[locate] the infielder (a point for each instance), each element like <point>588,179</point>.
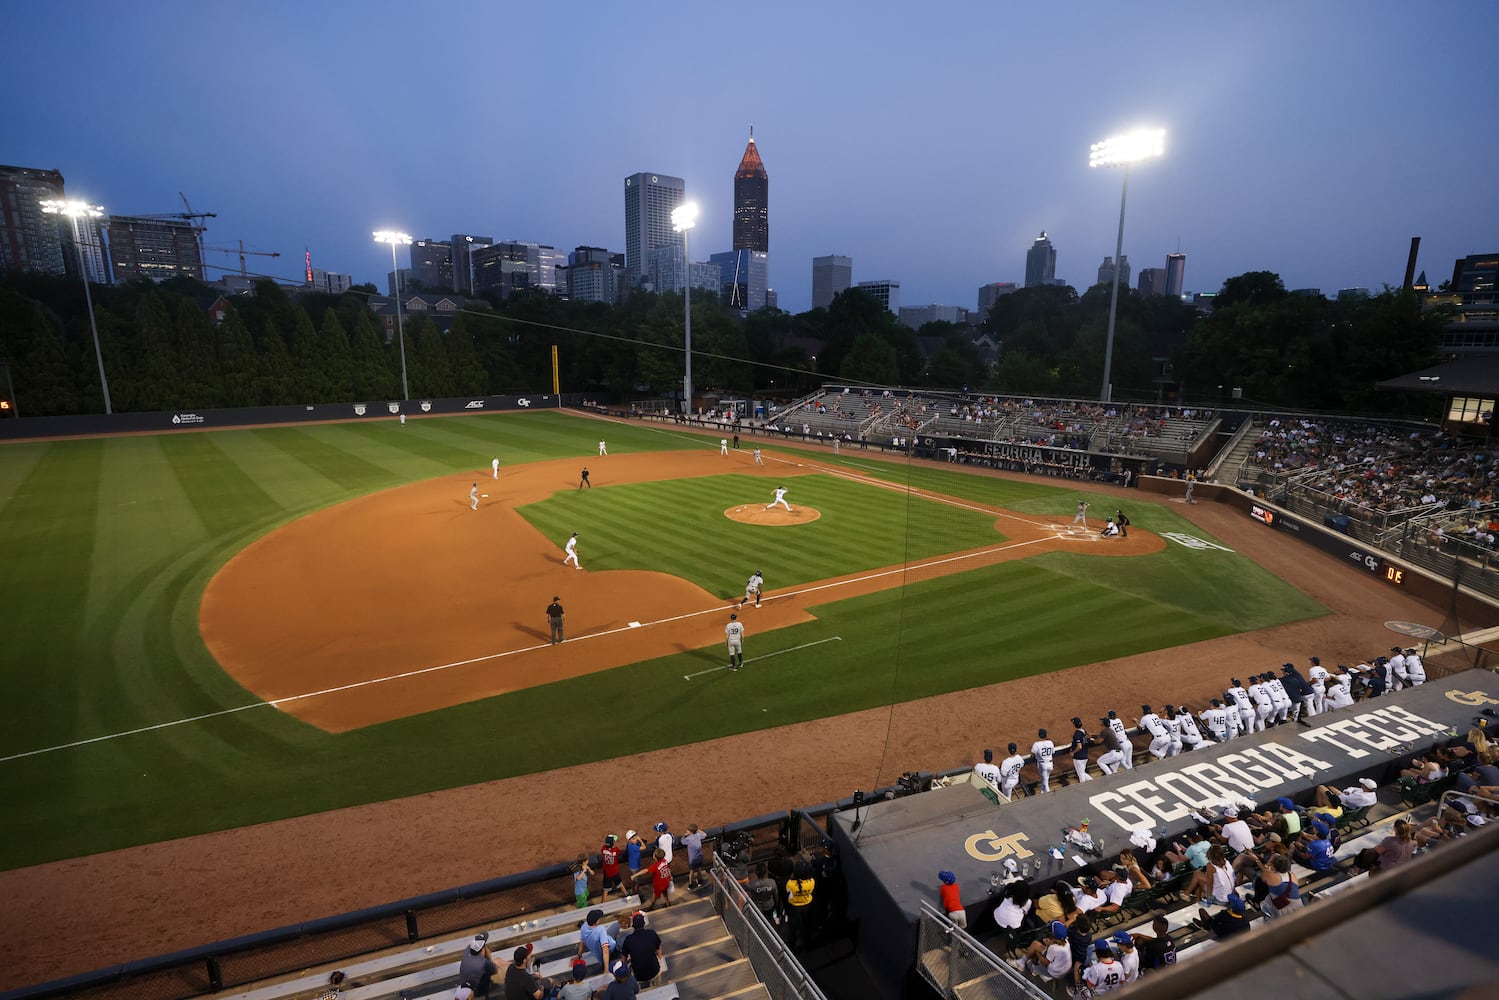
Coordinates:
<point>473,497</point>
<point>734,633</point>
<point>752,588</point>
<point>1160,739</point>
<point>1126,747</point>
<point>780,499</point>
<point>1042,752</point>
<point>758,460</point>
<point>1081,517</point>
<point>603,449</point>
<point>572,552</point>
<point>1009,772</point>
<point>723,446</point>
<point>494,463</point>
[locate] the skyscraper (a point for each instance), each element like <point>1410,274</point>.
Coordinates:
<point>830,275</point>
<point>743,278</point>
<point>990,293</point>
<point>751,201</point>
<point>1106,271</point>
<point>432,264</point>
<point>1040,262</point>
<point>649,199</point>
<point>461,249</point>
<point>886,292</point>
<point>30,240</point>
<point>1152,281</point>
<point>1176,271</point>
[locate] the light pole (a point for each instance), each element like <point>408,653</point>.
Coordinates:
<point>397,239</point>
<point>1121,151</point>
<point>73,209</point>
<point>683,218</point>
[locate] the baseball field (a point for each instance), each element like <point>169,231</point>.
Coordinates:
<point>216,629</point>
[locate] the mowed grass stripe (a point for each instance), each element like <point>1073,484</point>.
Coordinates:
<point>16,463</point>
<point>308,447</point>
<point>681,524</point>
<point>397,448</point>
<point>49,526</point>
<point>226,496</point>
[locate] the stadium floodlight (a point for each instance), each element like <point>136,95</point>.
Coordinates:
<point>75,210</point>
<point>396,239</point>
<point>683,218</point>
<point>1121,151</point>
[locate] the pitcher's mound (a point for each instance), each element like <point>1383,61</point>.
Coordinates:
<point>755,513</point>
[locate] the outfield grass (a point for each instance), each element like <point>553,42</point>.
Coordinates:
<point>109,544</point>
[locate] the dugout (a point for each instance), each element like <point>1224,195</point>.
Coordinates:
<point>891,850</point>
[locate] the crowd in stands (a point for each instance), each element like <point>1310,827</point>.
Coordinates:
<point>1245,860</point>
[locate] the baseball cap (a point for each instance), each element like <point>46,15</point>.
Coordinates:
<point>1317,660</point>
<point>947,878</point>
<point>1476,820</point>
<point>463,992</point>
<point>629,834</point>
<point>637,921</point>
<point>1123,939</point>
<point>478,943</point>
<point>1236,904</point>
<point>1076,721</point>
<point>1232,811</point>
<point>1041,733</point>
<point>1059,930</point>
<point>733,617</point>
<point>1394,649</point>
<point>1285,803</point>
<point>1111,713</point>
<point>1320,828</point>
<point>620,970</point>
<point>1088,883</point>
<point>1013,748</point>
<point>988,755</point>
<point>1145,709</point>
<point>611,838</point>
<point>1288,667</point>
<point>1368,783</point>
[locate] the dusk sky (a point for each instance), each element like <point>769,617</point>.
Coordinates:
<point>929,142</point>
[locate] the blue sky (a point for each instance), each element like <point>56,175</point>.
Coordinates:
<point>929,142</point>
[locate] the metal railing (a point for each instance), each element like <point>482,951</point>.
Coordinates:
<point>954,963</point>
<point>775,966</point>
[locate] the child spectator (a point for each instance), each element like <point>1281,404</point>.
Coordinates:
<point>693,841</point>
<point>952,898</point>
<point>581,871</point>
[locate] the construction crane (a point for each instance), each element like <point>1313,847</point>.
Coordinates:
<point>243,272</point>
<point>196,218</point>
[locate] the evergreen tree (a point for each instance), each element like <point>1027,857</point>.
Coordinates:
<point>469,376</point>
<point>335,360</point>
<point>238,364</point>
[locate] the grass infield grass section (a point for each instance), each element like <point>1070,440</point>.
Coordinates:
<point>109,544</point>
<point>680,525</point>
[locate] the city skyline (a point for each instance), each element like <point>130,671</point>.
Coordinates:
<point>922,157</point>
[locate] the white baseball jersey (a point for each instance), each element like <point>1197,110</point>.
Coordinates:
<point>1216,719</point>
<point>1117,725</point>
<point>1009,770</point>
<point>1397,665</point>
<point>1043,751</point>
<point>1415,670</point>
<point>1236,723</point>
<point>1191,735</point>
<point>1278,693</point>
<point>1242,701</point>
<point>572,546</point>
<point>988,772</point>
<point>1261,695</point>
<point>780,495</point>
<point>753,584</point>
<point>473,494</point>
<point>1102,977</point>
<point>734,632</point>
<point>1317,675</point>
<point>1340,691</point>
<point>1152,724</point>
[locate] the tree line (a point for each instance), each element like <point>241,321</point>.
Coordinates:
<point>162,351</point>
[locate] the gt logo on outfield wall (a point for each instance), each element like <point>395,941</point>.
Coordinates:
<point>1193,542</point>
<point>999,847</point>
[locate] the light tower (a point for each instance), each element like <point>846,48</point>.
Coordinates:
<point>683,218</point>
<point>397,239</point>
<point>74,209</point>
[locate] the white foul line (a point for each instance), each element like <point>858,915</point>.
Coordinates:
<point>404,675</point>
<point>765,656</point>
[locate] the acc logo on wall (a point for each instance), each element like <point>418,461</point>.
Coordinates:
<point>1193,542</point>
<point>426,406</point>
<point>359,409</point>
<point>394,407</point>
<point>474,404</point>
<point>990,846</point>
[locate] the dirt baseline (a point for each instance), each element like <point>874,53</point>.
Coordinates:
<point>307,617</point>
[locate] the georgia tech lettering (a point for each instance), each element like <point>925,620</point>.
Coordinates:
<point>1165,797</point>
<point>999,847</point>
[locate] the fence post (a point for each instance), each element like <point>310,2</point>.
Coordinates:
<point>215,974</point>
<point>412,931</point>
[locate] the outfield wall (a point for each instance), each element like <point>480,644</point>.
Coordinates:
<point>88,425</point>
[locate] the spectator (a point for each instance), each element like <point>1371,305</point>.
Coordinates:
<point>1105,974</point>
<point>1215,880</point>
<point>952,898</point>
<point>1080,941</point>
<point>693,841</point>
<point>476,967</point>
<point>1282,893</point>
<point>1235,831</point>
<point>596,939</point>
<point>762,890</point>
<point>643,951</point>
<point>1397,848</point>
<point>1137,878</point>
<point>799,890</point>
<point>624,986</point>
<point>1058,904</point>
<point>520,981</point>
<point>609,866</point>
<point>663,844</point>
<point>1227,922</point>
<point>577,989</point>
<point>634,845</point>
<point>1318,853</point>
<point>335,987</point>
<point>1051,959</point>
<point>1015,906</point>
<point>1129,958</point>
<point>1089,898</point>
<point>1356,796</point>
<point>581,871</point>
<point>1157,949</point>
<point>661,880</point>
<point>1116,887</point>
